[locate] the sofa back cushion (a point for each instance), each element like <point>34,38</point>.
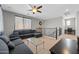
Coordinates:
<point>20,32</point>
<point>5,39</point>
<point>28,31</point>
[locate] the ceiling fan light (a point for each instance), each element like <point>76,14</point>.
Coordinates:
<point>34,10</point>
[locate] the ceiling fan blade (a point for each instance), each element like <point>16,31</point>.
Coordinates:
<point>34,6</point>
<point>30,10</point>
<point>39,11</point>
<point>39,7</point>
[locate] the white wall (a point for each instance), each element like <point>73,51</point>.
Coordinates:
<point>78,23</point>
<point>53,23</point>
<point>35,23</point>
<point>8,23</point>
<point>1,20</point>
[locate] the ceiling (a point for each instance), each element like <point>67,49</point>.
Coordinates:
<point>48,10</point>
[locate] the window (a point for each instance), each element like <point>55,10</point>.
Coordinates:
<point>18,23</point>
<point>68,23</point>
<point>22,23</point>
<point>27,23</point>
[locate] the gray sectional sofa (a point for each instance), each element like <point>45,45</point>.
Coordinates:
<point>25,33</point>
<point>13,47</point>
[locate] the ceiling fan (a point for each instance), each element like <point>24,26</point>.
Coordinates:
<point>35,9</point>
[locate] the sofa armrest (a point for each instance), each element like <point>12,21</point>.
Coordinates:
<point>3,47</point>
<point>14,37</point>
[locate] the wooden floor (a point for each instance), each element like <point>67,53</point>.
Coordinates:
<point>48,43</point>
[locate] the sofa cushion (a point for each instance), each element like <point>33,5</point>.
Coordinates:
<point>32,31</point>
<point>13,37</point>
<point>21,49</point>
<point>24,32</point>
<point>28,34</point>
<point>17,42</point>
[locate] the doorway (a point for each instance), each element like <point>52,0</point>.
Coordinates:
<point>70,26</point>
